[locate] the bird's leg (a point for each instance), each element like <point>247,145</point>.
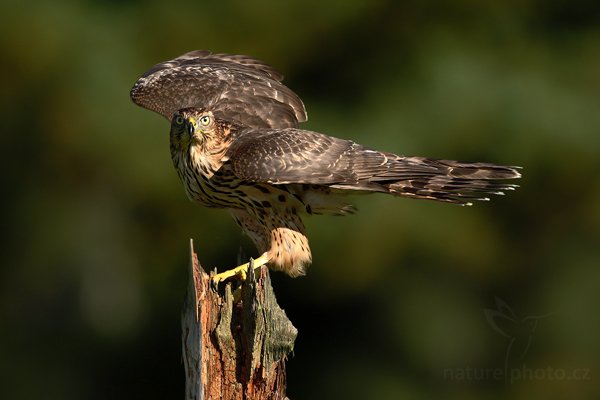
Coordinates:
<point>242,269</point>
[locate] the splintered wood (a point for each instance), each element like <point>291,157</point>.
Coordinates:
<point>235,343</point>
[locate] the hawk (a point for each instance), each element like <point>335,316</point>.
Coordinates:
<point>235,144</point>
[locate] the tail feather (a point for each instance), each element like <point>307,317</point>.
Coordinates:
<point>425,178</point>
<point>453,181</point>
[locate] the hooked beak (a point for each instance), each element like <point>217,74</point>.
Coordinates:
<point>191,126</point>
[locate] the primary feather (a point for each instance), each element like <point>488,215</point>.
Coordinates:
<point>287,156</point>
<point>236,88</point>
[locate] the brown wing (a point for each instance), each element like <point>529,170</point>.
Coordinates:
<point>236,88</point>
<point>296,156</point>
<point>290,156</point>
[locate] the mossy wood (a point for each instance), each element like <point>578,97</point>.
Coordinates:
<point>235,342</point>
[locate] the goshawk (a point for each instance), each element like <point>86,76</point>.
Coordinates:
<point>235,144</point>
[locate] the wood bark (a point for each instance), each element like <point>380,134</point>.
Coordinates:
<point>236,338</point>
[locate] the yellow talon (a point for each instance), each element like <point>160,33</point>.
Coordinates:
<point>241,270</point>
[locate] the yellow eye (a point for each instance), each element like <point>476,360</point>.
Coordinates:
<point>179,120</point>
<point>204,120</point>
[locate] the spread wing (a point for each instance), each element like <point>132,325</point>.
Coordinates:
<point>291,156</point>
<point>287,156</point>
<point>236,88</point>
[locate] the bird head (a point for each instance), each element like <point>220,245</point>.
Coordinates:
<point>191,126</point>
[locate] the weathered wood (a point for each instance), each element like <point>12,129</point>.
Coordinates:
<point>235,342</point>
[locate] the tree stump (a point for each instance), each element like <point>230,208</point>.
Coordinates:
<point>235,341</point>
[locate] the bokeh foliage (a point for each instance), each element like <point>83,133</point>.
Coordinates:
<point>96,224</point>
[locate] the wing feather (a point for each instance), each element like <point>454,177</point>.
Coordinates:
<point>288,156</point>
<point>236,88</point>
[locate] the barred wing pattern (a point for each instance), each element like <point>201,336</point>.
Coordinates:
<point>285,156</point>
<point>236,88</point>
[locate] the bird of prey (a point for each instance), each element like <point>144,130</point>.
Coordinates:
<point>235,144</point>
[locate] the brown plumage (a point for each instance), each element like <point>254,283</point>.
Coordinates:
<point>235,88</point>
<point>255,162</point>
<point>269,178</point>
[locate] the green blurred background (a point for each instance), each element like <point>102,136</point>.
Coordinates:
<point>96,224</point>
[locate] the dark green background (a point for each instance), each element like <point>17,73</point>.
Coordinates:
<point>96,225</point>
